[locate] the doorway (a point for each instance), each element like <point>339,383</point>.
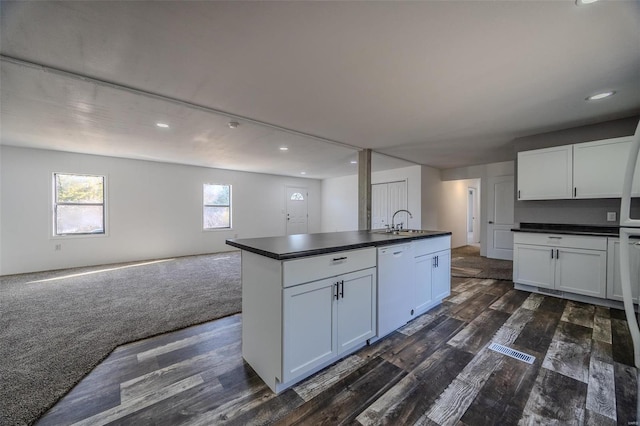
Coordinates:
<point>296,210</point>
<point>473,231</point>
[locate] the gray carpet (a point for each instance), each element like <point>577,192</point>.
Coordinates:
<point>467,262</point>
<point>52,333</point>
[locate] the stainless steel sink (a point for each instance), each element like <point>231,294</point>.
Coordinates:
<point>404,232</point>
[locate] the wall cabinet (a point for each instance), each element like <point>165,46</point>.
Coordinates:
<point>585,170</point>
<point>574,264</point>
<point>326,318</point>
<point>599,167</point>
<point>545,174</point>
<point>614,284</point>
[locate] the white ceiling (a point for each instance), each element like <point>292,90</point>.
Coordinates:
<point>440,83</point>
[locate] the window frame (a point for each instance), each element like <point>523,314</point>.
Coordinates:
<point>229,206</point>
<point>54,211</point>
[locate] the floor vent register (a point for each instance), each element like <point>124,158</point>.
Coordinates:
<point>529,359</point>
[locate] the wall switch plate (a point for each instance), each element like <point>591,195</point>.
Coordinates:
<point>611,216</point>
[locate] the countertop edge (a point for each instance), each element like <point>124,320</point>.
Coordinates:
<point>314,252</point>
<point>566,232</point>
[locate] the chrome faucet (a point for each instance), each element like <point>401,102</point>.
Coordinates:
<point>393,227</point>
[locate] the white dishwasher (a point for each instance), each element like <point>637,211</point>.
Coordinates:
<point>395,287</point>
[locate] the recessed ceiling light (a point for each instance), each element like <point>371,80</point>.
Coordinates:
<point>583,2</point>
<point>284,148</point>
<point>599,96</point>
<point>354,162</point>
<point>303,173</point>
<point>163,125</point>
<point>233,124</point>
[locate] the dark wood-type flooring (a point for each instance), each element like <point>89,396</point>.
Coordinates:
<point>436,370</point>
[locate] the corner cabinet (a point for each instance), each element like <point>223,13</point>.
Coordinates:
<point>300,315</point>
<point>545,174</point>
<point>575,264</point>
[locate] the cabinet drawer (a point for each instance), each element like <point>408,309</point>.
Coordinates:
<point>561,240</point>
<point>431,245</point>
<point>313,268</point>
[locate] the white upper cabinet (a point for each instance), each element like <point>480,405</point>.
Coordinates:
<point>545,174</point>
<point>599,167</point>
<point>584,170</point>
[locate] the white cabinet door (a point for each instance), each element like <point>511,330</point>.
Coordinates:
<point>581,271</point>
<point>441,277</point>
<point>598,168</point>
<point>614,284</point>
<point>423,282</point>
<point>534,265</point>
<point>308,327</point>
<point>545,173</point>
<point>356,306</point>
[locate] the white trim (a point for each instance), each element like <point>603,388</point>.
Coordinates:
<point>52,202</point>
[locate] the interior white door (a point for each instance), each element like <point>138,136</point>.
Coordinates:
<point>379,193</point>
<point>297,216</point>
<point>500,194</point>
<point>386,199</point>
<point>398,201</point>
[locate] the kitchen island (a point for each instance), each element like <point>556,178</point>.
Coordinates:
<point>311,299</point>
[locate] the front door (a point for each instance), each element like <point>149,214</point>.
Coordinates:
<point>501,197</point>
<point>297,217</point>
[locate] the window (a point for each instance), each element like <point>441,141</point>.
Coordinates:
<point>78,204</point>
<point>217,206</point>
<point>296,196</point>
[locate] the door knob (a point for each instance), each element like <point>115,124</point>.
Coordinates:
<point>491,222</point>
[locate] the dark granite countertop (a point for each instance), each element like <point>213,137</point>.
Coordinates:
<point>556,228</point>
<point>302,245</point>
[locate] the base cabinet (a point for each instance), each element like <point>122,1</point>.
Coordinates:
<point>614,283</point>
<point>432,272</point>
<point>326,318</point>
<point>293,325</point>
<point>573,264</point>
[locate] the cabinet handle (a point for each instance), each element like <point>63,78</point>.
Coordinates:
<point>575,191</point>
<point>552,253</point>
<point>437,261</point>
<point>336,293</point>
<point>518,194</point>
<point>551,237</point>
<point>557,254</point>
<point>342,286</point>
<point>338,259</point>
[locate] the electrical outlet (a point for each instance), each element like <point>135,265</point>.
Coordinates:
<point>611,216</point>
<point>58,247</point>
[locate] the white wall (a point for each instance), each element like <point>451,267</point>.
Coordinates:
<point>340,204</point>
<point>154,210</point>
<point>481,172</point>
<point>340,198</point>
<point>431,193</point>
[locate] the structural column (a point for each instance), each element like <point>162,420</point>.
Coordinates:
<point>364,189</point>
